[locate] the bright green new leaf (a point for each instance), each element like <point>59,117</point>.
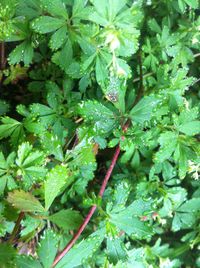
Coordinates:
<point>56,180</point>
<point>5,177</point>
<point>30,164</point>
<point>25,201</point>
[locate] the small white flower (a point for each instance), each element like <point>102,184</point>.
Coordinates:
<point>113,41</point>
<point>195,169</point>
<point>186,103</point>
<point>165,263</point>
<point>163,221</point>
<point>121,72</point>
<point>195,40</point>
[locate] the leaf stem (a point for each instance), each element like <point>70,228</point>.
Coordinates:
<point>137,79</point>
<point>2,56</point>
<point>16,228</point>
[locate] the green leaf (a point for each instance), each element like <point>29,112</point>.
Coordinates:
<point>102,118</point>
<point>142,111</point>
<point>13,128</point>
<point>4,107</point>
<point>27,157</point>
<point>83,251</point>
<point>190,206</point>
<point>47,249</point>
<point>80,11</point>
<point>41,116</point>
<point>192,3</point>
<point>131,225</point>
<point>3,164</point>
<point>116,250</point>
<point>185,214</point>
<point>52,145</point>
<point>22,52</point>
<point>181,156</point>
<point>30,225</point>
<point>66,51</point>
<point>55,8</point>
<point>25,201</point>
<point>128,221</point>
<point>57,179</point>
<point>47,24</point>
<point>137,258</point>
<point>168,142</point>
<point>190,128</point>
<point>183,221</point>
<point>58,38</point>
<point>120,196</point>
<point>24,261</point>
<point>106,11</point>
<point>7,255</point>
<point>101,71</point>
<point>30,164</point>
<point>67,219</point>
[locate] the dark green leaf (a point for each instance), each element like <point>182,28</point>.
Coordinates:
<point>47,24</point>
<point>67,219</point>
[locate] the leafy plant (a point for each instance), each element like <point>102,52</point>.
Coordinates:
<point>99,152</point>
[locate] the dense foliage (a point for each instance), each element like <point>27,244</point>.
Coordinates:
<point>80,78</point>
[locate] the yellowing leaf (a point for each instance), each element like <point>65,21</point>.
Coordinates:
<point>25,201</point>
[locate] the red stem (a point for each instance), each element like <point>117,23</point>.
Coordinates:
<point>92,209</point>
<point>109,171</point>
<point>2,55</point>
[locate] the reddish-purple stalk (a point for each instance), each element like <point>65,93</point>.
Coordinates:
<point>2,55</point>
<point>92,209</point>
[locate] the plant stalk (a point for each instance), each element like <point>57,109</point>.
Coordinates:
<point>16,228</point>
<point>92,209</point>
<point>2,56</point>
